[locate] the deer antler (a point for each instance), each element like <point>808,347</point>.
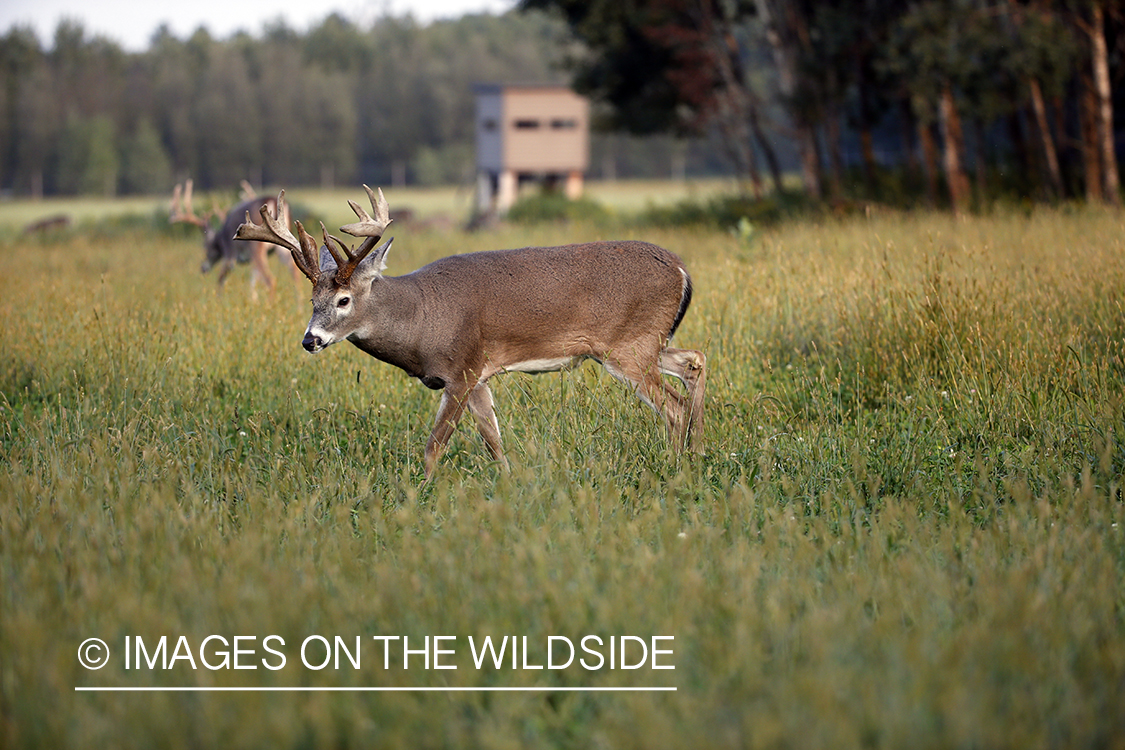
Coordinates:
<point>181,210</point>
<point>368,227</point>
<point>275,230</point>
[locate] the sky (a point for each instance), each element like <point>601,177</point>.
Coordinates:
<point>131,23</point>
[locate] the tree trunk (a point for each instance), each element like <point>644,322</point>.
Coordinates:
<point>1051,156</point>
<point>783,34</point>
<point>767,149</point>
<point>1091,155</point>
<point>1110,181</point>
<point>735,104</point>
<point>810,161</point>
<point>953,142</point>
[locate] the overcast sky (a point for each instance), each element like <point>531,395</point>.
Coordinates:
<point>131,23</point>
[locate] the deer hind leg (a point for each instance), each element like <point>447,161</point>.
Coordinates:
<point>287,261</point>
<point>481,406</point>
<point>259,267</point>
<point>646,378</point>
<point>690,367</point>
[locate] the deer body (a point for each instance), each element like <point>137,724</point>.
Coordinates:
<point>219,246</point>
<point>458,321</point>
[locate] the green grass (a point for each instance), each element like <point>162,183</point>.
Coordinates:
<point>905,530</point>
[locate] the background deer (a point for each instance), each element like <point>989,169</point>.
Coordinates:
<point>218,243</point>
<point>458,321</point>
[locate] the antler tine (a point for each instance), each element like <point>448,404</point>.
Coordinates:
<point>275,230</point>
<point>309,263</point>
<point>344,267</point>
<point>340,259</point>
<point>368,227</point>
<point>271,230</point>
<point>181,206</point>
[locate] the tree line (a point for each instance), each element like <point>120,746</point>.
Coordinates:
<point>950,100</point>
<point>391,102</point>
<point>967,96</point>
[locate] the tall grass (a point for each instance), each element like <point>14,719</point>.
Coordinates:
<point>906,529</point>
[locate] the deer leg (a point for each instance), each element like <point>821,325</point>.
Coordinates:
<point>258,255</point>
<point>287,261</point>
<point>481,405</point>
<point>224,271</point>
<point>690,366</point>
<point>649,385</point>
<point>452,406</point>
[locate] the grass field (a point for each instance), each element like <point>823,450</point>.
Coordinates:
<point>906,530</point>
<point>452,203</point>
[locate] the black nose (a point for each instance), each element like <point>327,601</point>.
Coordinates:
<point>311,343</point>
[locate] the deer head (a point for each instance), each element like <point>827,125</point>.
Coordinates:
<point>182,212</point>
<point>336,268</point>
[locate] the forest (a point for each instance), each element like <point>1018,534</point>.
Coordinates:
<point>942,102</point>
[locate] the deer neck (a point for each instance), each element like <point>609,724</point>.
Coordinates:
<point>392,323</point>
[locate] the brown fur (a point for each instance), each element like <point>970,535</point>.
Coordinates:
<point>458,321</point>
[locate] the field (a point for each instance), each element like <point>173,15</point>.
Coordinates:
<point>907,529</point>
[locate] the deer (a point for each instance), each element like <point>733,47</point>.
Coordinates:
<point>218,243</point>
<point>458,321</point>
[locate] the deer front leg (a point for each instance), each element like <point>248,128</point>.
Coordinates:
<point>481,405</point>
<point>224,271</point>
<point>453,402</point>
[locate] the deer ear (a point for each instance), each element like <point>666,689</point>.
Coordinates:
<point>378,256</point>
<point>327,262</point>
<point>374,264</point>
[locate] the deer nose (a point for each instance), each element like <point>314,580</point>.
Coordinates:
<point>312,343</point>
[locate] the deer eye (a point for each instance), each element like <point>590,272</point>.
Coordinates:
<point>343,302</point>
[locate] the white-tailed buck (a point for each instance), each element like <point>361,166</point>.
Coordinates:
<point>219,246</point>
<point>458,321</point>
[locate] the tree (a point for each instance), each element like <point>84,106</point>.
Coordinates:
<point>1111,184</point>
<point>226,116</point>
<point>145,167</point>
<point>927,54</point>
<point>1043,56</point>
<point>87,163</point>
<point>38,121</point>
<point>670,66</point>
<point>20,56</point>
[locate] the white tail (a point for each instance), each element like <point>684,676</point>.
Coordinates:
<point>458,321</point>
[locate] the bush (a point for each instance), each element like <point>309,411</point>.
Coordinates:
<point>727,211</point>
<point>550,206</point>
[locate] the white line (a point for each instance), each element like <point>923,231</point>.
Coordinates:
<point>370,689</point>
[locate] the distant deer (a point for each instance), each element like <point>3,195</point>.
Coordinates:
<point>219,245</point>
<point>458,321</point>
